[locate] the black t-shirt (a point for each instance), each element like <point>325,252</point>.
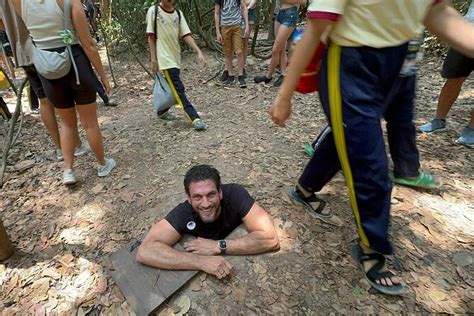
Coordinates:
<point>235,204</point>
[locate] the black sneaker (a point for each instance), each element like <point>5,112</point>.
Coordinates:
<point>245,74</point>
<point>242,83</point>
<point>278,82</point>
<point>224,76</point>
<point>262,78</point>
<point>229,80</point>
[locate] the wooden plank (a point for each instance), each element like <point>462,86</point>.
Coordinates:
<point>145,288</point>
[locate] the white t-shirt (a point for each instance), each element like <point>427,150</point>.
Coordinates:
<point>168,34</point>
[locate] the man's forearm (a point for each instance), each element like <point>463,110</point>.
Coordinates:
<point>245,15</point>
<point>189,40</point>
<point>151,45</point>
<point>252,243</point>
<point>159,255</point>
<point>217,20</point>
<point>451,28</point>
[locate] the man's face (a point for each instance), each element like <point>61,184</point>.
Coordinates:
<point>205,199</point>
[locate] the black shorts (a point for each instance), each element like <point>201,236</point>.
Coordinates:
<point>35,81</point>
<point>456,65</point>
<point>64,93</point>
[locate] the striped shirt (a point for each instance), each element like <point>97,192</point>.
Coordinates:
<point>231,13</point>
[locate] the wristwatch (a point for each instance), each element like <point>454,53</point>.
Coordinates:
<point>222,246</point>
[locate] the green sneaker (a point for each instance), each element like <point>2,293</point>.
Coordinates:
<point>167,116</point>
<point>309,150</point>
<point>423,180</point>
<point>199,125</point>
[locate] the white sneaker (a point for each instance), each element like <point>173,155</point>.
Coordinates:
<point>82,150</point>
<point>59,155</point>
<point>104,171</point>
<point>69,177</point>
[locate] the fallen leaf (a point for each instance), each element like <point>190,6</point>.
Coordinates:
<point>437,295</point>
<point>184,304</point>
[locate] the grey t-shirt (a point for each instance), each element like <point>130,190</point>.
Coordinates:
<point>231,13</point>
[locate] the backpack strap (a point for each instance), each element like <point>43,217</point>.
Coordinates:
<point>68,26</point>
<point>155,29</point>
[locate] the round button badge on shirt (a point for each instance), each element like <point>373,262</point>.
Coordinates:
<point>191,225</point>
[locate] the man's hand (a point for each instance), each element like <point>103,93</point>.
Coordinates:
<point>247,31</point>
<point>219,37</point>
<point>154,67</point>
<point>201,58</point>
<point>280,110</point>
<point>106,84</point>
<point>202,246</point>
<point>217,266</point>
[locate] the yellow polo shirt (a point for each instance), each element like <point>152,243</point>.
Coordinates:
<point>169,32</point>
<point>373,23</point>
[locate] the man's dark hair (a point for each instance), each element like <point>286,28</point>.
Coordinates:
<point>201,173</point>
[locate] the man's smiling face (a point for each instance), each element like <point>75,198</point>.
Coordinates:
<point>205,199</point>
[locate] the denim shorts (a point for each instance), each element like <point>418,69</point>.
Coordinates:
<point>288,16</point>
<point>252,17</point>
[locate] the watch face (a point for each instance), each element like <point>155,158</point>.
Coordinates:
<point>222,244</point>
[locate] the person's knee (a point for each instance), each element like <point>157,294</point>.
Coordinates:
<point>276,52</point>
<point>89,124</point>
<point>238,52</point>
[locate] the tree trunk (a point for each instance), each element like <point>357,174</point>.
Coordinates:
<point>6,248</point>
<point>271,23</point>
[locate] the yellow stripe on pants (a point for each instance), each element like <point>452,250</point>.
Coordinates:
<point>335,108</point>
<point>175,93</point>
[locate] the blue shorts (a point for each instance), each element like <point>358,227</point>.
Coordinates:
<point>288,17</point>
<point>252,17</point>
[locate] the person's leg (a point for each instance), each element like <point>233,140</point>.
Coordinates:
<point>279,46</point>
<point>174,80</point>
<point>47,112</point>
<point>448,95</point>
<point>456,68</point>
<point>68,133</point>
<point>33,98</point>
<point>401,131</point>
<point>227,47</point>
<point>323,165</point>
<point>245,47</point>
<point>237,47</point>
<point>48,116</point>
<point>353,98</point>
<point>90,124</point>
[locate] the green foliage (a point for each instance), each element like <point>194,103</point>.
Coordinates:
<point>128,22</point>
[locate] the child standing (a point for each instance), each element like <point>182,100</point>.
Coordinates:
<point>228,16</point>
<point>165,54</point>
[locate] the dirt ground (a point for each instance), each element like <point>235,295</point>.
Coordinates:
<point>63,236</point>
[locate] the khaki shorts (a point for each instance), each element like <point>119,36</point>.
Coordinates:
<point>232,38</point>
